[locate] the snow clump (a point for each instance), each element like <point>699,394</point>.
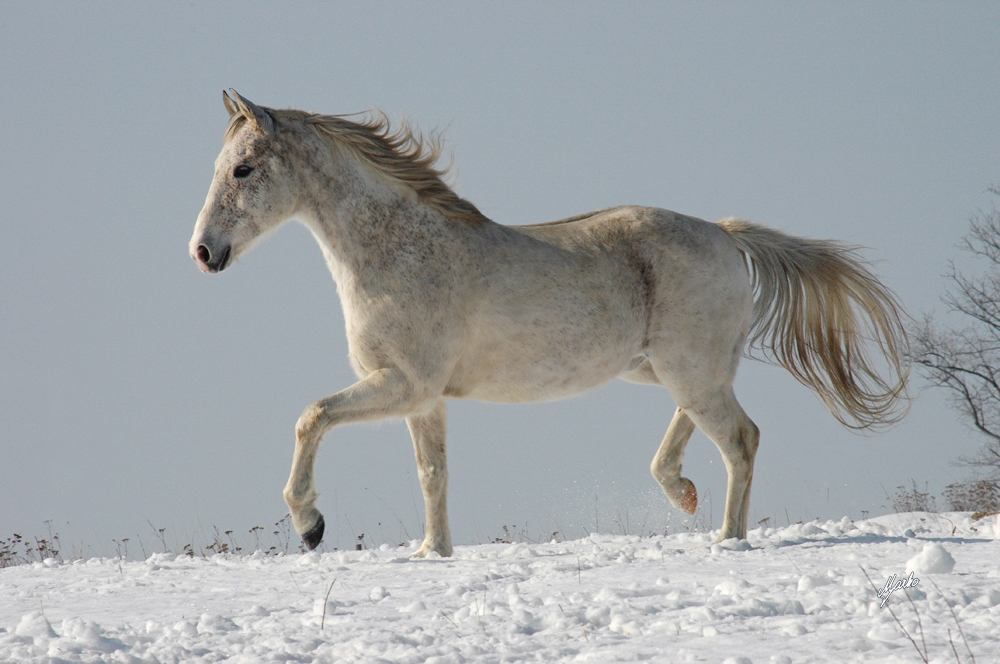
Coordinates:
<point>932,559</point>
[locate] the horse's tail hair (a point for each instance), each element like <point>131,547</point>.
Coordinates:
<point>818,312</point>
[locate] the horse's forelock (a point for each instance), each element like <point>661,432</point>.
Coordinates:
<point>236,122</point>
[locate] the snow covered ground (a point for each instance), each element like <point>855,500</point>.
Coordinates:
<point>799,595</point>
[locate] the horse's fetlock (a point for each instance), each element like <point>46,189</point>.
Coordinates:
<point>298,502</point>
<point>434,542</point>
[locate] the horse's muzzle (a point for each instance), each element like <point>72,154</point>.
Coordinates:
<point>212,261</point>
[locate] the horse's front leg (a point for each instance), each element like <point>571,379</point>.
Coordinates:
<point>381,394</point>
<point>428,432</point>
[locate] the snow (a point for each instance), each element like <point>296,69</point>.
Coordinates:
<point>932,559</point>
<point>798,595</point>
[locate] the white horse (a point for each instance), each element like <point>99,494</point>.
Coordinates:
<point>441,302</point>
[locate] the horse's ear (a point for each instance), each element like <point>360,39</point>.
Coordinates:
<point>231,106</point>
<point>254,113</point>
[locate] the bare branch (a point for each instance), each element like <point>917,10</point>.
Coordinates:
<point>966,361</point>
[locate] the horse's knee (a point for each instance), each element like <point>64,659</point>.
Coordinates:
<point>432,476</point>
<point>311,421</point>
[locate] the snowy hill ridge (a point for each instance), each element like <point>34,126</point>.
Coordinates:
<point>799,595</point>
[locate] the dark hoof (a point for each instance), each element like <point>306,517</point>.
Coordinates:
<point>315,534</point>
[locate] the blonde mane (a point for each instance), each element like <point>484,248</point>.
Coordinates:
<point>402,154</point>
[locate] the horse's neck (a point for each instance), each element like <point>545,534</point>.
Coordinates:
<point>363,225</point>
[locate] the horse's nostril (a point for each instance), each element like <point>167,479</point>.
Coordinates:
<point>204,255</point>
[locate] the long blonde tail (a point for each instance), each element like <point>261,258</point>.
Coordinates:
<point>818,311</point>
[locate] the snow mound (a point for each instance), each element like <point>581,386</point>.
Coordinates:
<point>36,626</point>
<point>932,559</point>
<point>813,581</point>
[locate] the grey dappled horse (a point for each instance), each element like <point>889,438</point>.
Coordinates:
<point>441,302</point>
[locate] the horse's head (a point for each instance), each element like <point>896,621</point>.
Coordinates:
<point>251,192</point>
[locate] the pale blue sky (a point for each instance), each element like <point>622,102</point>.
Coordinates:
<point>135,388</point>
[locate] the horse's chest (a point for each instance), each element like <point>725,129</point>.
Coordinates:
<point>394,330</point>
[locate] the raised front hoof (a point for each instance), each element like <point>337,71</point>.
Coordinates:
<point>315,534</point>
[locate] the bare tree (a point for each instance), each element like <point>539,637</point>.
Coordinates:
<point>966,360</point>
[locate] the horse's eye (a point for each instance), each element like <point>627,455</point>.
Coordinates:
<point>242,171</point>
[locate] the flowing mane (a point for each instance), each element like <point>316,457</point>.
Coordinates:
<point>402,154</point>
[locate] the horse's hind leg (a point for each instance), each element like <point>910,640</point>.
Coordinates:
<point>666,466</point>
<point>722,419</point>
<point>428,433</point>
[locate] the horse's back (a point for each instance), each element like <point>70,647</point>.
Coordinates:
<point>653,231</point>
<point>677,257</point>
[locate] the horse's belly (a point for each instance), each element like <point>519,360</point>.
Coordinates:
<point>527,384</point>
<point>517,372</point>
